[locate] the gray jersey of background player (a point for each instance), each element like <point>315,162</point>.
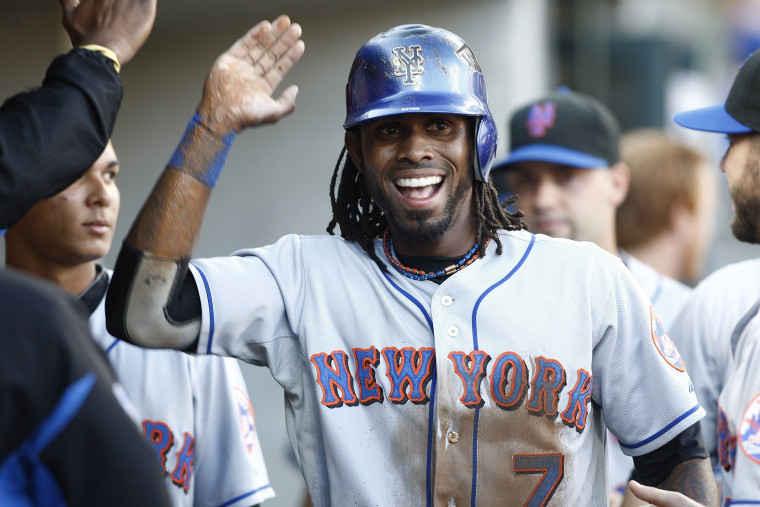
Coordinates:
<point>194,411</point>
<point>435,353</point>
<point>721,352</point>
<point>564,164</point>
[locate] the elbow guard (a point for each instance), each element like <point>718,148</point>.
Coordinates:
<point>140,296</point>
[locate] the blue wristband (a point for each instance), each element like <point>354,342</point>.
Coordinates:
<point>212,172</point>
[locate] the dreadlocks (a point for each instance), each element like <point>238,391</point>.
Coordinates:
<point>362,221</point>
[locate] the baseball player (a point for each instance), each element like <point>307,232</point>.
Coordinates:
<point>435,353</point>
<point>564,163</point>
<point>721,348</point>
<point>194,412</point>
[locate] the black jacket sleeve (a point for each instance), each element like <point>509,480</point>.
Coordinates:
<point>100,457</point>
<point>51,135</point>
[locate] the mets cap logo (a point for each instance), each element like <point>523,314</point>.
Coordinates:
<point>407,63</point>
<point>245,415</point>
<point>541,118</point>
<point>749,430</point>
<point>664,344</point>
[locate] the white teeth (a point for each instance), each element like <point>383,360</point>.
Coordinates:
<point>419,182</point>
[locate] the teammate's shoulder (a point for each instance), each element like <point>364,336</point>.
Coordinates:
<point>737,271</point>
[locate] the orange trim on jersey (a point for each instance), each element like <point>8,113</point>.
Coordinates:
<point>154,434</point>
<point>183,470</point>
<point>470,378</point>
<point>365,375</point>
<point>551,375</point>
<point>577,404</point>
<point>500,373</point>
<point>397,361</point>
<point>338,379</point>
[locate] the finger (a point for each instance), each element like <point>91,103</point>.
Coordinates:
<point>286,102</point>
<point>265,49</point>
<point>654,496</point>
<point>68,4</point>
<point>283,64</point>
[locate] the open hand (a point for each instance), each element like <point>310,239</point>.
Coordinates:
<point>238,90</point>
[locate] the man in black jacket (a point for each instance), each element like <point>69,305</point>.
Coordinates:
<point>69,119</point>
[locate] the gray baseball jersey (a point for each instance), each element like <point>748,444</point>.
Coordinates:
<point>702,332</point>
<point>486,389</point>
<point>197,416</point>
<point>739,416</point>
<point>668,297</point>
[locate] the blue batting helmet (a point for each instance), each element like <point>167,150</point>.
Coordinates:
<point>421,69</point>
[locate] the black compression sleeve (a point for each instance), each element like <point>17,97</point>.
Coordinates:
<point>652,468</point>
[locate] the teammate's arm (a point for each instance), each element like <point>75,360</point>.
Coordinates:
<point>50,135</point>
<point>237,94</point>
<point>682,465</point>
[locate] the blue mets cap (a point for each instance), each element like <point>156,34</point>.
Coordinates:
<point>740,114</point>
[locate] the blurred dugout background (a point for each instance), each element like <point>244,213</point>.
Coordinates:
<point>644,58</point>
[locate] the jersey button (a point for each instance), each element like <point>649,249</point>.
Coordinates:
<point>453,331</point>
<point>453,437</point>
<point>447,300</point>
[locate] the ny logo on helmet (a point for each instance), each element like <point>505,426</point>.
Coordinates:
<point>408,63</point>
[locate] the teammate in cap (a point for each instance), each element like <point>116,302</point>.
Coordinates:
<point>564,164</point>
<point>194,411</point>
<point>435,353</point>
<point>718,328</point>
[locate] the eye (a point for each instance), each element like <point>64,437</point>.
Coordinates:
<point>565,177</point>
<point>111,174</point>
<point>522,180</point>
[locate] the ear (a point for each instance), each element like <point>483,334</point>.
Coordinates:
<point>621,180</point>
<point>354,147</point>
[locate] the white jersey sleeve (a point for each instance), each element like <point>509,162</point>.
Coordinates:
<point>668,297</point>
<point>702,332</point>
<point>738,433</point>
<point>229,465</point>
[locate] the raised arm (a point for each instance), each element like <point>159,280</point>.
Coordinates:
<point>238,93</point>
<point>50,135</point>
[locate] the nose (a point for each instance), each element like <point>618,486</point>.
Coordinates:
<point>98,192</point>
<point>546,194</point>
<point>414,147</point>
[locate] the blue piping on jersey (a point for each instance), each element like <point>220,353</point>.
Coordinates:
<point>110,347</point>
<point>431,409</point>
<point>412,299</point>
<point>210,310</point>
<point>492,287</point>
<point>730,502</point>
<point>519,264</point>
<point>474,494</point>
<point>244,495</point>
<point>431,425</point>
<point>662,431</point>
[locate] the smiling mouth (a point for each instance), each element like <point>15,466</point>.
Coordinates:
<point>418,188</point>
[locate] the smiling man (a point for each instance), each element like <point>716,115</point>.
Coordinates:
<point>435,353</point>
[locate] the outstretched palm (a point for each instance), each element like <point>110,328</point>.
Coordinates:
<point>238,90</point>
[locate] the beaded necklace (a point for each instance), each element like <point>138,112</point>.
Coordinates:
<point>418,274</point>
